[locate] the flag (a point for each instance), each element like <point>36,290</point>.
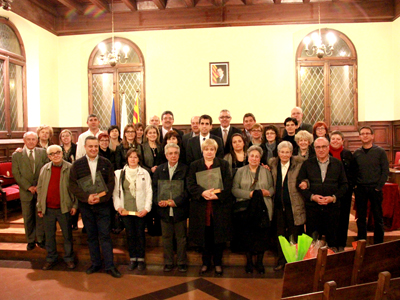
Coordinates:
<point>124,115</point>
<point>214,74</point>
<point>136,117</point>
<point>113,116</point>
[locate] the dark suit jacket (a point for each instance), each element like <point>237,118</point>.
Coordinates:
<point>181,211</point>
<point>194,149</point>
<point>180,132</point>
<point>218,132</point>
<point>80,168</point>
<point>185,138</point>
<point>23,174</point>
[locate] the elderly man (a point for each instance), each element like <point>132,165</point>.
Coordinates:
<point>225,131</point>
<point>372,171</point>
<point>167,120</point>
<point>94,205</point>
<point>173,210</point>
<point>154,120</point>
<point>297,113</point>
<point>193,151</point>
<point>327,184</point>
<point>194,124</point>
<point>93,123</point>
<point>55,203</point>
<point>248,121</point>
<point>26,166</point>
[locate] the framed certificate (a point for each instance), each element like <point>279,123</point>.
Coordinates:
<point>210,179</point>
<point>87,185</point>
<point>169,189</point>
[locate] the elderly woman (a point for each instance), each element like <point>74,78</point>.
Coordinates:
<point>271,140</point>
<point>345,156</point>
<point>44,132</point>
<point>68,147</point>
<point>115,139</point>
<point>210,212</point>
<point>139,128</point>
<point>289,209</point>
<point>151,148</point>
<point>256,134</point>
<point>320,129</point>
<point>128,142</point>
<point>237,157</point>
<point>253,184</point>
<point>133,193</point>
<point>304,140</point>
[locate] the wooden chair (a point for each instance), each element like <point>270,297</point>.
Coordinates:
<point>396,163</point>
<point>346,268</point>
<point>8,188</point>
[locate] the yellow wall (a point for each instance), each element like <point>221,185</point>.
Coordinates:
<point>262,71</point>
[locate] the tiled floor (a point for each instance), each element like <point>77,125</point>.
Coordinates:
<point>25,280</point>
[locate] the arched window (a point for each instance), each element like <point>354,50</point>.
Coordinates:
<point>327,86</point>
<point>13,116</point>
<point>124,80</point>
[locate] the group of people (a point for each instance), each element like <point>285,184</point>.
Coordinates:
<point>245,186</point>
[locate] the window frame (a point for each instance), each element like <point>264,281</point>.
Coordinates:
<point>20,60</point>
<point>327,62</point>
<point>116,70</point>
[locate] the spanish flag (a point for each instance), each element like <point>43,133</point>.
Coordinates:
<point>136,116</point>
<point>214,74</point>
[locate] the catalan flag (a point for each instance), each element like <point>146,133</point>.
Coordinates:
<point>136,116</point>
<point>214,74</point>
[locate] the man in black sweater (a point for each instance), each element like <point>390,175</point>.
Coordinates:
<point>327,183</point>
<point>372,170</point>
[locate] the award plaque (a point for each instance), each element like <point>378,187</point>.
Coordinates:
<point>210,179</point>
<point>87,185</point>
<point>169,189</point>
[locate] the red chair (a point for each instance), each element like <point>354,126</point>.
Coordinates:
<point>396,163</point>
<point>8,188</point>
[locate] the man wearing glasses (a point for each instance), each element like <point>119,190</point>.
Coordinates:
<point>372,171</point>
<point>225,131</point>
<point>327,183</point>
<point>56,203</point>
<point>167,120</point>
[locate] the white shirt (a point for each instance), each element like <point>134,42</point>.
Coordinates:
<point>203,138</point>
<point>171,171</point>
<point>165,131</point>
<point>80,149</point>
<point>93,167</point>
<point>284,169</point>
<point>227,128</point>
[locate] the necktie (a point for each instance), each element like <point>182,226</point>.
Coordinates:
<point>225,136</point>
<point>32,161</point>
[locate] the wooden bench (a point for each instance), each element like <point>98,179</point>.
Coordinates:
<point>346,268</point>
<point>383,289</point>
<point>8,188</point>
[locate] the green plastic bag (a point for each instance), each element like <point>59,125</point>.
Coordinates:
<point>293,253</point>
<point>303,244</point>
<point>289,251</point>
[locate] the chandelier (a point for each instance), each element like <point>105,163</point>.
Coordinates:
<point>112,57</point>
<point>314,46</point>
<point>6,4</point>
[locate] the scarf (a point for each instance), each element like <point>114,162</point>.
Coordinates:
<point>131,175</point>
<point>270,149</point>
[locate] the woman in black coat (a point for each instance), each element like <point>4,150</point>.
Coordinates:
<point>210,213</point>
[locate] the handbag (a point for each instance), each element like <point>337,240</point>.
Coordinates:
<point>241,206</point>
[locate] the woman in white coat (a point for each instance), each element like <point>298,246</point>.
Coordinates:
<point>133,193</point>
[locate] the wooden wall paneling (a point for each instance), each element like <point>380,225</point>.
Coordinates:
<point>7,148</point>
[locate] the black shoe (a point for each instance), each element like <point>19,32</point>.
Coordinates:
<point>249,268</point>
<point>83,230</point>
<point>31,246</point>
<point>218,270</point>
<point>182,268</point>
<point>49,265</point>
<point>75,227</point>
<point>93,269</point>
<point>260,269</point>
<point>114,272</point>
<point>168,268</point>
<point>132,265</point>
<point>203,269</point>
<point>42,244</point>
<point>141,265</point>
<point>279,267</point>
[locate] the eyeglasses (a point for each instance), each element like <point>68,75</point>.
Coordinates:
<point>225,117</point>
<point>320,128</point>
<point>104,141</point>
<point>55,153</point>
<point>270,133</point>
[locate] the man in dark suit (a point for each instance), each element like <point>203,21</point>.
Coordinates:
<point>248,121</point>
<point>194,124</point>
<point>194,144</point>
<point>167,120</point>
<point>297,113</point>
<point>26,165</point>
<point>95,209</point>
<point>173,210</point>
<point>221,75</point>
<point>225,131</point>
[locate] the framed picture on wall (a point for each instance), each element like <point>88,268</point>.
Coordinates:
<point>219,74</point>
